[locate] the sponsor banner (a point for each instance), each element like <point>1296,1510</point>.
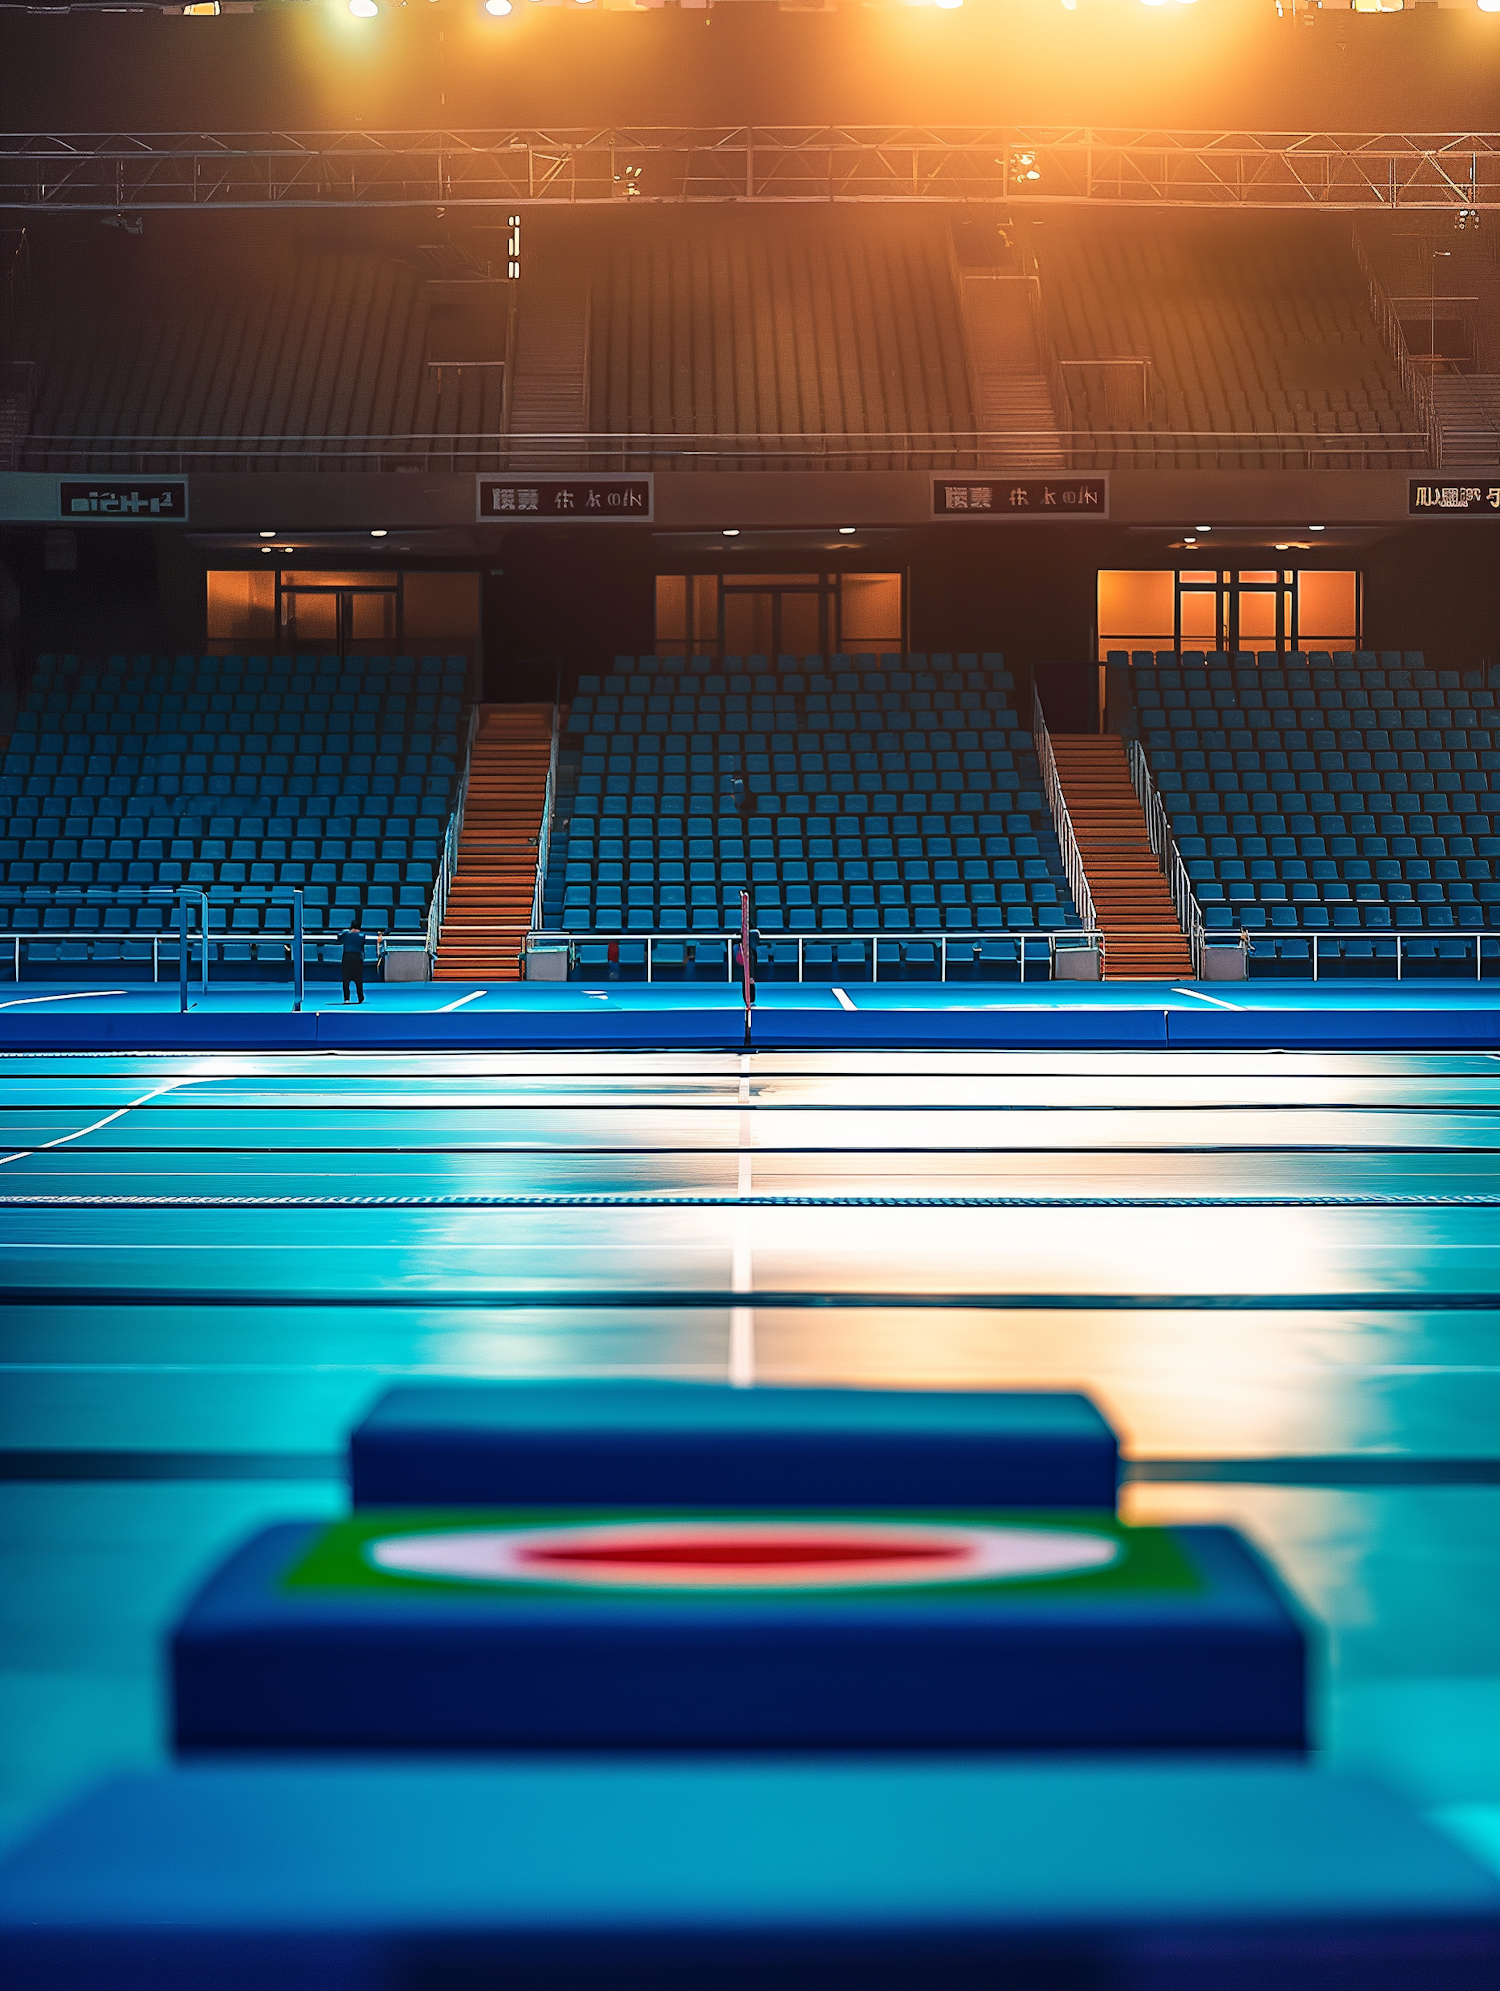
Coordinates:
<point>1427,499</point>
<point>809,1555</point>
<point>1020,497</point>
<point>133,500</point>
<point>566,500</point>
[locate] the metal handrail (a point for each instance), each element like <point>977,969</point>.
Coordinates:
<point>636,450</point>
<point>1415,384</point>
<point>1072,856</point>
<point>1164,845</point>
<point>439,902</point>
<point>544,834</point>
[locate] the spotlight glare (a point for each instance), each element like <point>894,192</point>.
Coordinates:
<point>1317,528</point>
<point>364,10</point>
<point>497,7</point>
<point>1070,6</point>
<point>1489,6</point>
<point>846,530</point>
<point>948,4</point>
<point>269,535</point>
<point>377,532</point>
<point>731,532</point>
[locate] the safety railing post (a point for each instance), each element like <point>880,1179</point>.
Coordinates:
<point>203,918</point>
<point>182,954</point>
<point>299,968</point>
<point>942,957</point>
<point>650,937</point>
<point>1398,957</point>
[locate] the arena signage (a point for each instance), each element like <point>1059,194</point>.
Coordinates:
<point>114,499</point>
<point>1428,500</point>
<point>525,500</point>
<point>1020,497</point>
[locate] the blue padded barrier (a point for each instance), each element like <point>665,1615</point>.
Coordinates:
<point>1145,1877</point>
<point>706,1444</point>
<point>483,1629</point>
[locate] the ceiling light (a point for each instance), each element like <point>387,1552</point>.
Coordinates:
<point>847,529</point>
<point>1190,541</point>
<point>377,532</point>
<point>1489,6</point>
<point>949,4</point>
<point>365,9</point>
<point>1070,6</point>
<point>268,549</point>
<point>269,535</point>
<point>1323,528</point>
<point>497,7</point>
<point>1203,528</point>
<point>731,532</point>
<point>1281,546</point>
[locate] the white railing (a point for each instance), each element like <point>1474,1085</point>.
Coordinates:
<point>544,834</point>
<point>1072,857</point>
<point>1164,845</point>
<point>1069,940</point>
<point>1377,940</point>
<point>165,944</point>
<point>449,865</point>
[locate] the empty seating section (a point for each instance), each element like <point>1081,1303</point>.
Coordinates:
<point>246,778</point>
<point>1261,328</point>
<point>1327,792</point>
<point>880,794</point>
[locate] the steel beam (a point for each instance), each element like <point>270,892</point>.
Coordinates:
<point>1366,172</point>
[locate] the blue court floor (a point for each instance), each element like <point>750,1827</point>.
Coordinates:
<point>1277,1271</point>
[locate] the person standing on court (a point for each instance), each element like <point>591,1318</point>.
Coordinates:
<point>352,941</point>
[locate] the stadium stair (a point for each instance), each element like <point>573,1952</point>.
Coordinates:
<point>1133,906</point>
<point>489,907</point>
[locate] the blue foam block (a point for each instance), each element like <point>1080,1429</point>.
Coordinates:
<point>360,1634</point>
<point>704,1444</point>
<point>1073,1878</point>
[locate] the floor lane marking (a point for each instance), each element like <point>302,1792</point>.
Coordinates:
<point>1218,1001</point>
<point>474,996</point>
<point>842,999</point>
<point>78,1133</point>
<point>76,995</point>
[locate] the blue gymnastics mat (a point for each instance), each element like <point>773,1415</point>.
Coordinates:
<point>672,1444</point>
<point>611,1629</point>
<point>1142,1877</point>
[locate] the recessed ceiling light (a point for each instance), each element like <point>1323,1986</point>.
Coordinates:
<point>847,529</point>
<point>1317,528</point>
<point>1203,528</point>
<point>269,535</point>
<point>377,532</point>
<point>731,532</point>
<point>1281,546</point>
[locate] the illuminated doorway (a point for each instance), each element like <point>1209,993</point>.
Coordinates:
<point>1228,609</point>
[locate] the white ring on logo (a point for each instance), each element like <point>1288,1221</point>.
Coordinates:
<point>916,1554</point>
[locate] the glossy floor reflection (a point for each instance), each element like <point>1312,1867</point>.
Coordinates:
<point>1278,1273</point>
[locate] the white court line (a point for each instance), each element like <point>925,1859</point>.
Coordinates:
<point>79,1132</point>
<point>473,996</point>
<point>78,995</point>
<point>1199,996</point>
<point>842,1000</point>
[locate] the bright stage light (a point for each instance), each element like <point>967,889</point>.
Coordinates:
<point>497,7</point>
<point>1070,6</point>
<point>364,10</point>
<point>1489,6</point>
<point>949,4</point>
